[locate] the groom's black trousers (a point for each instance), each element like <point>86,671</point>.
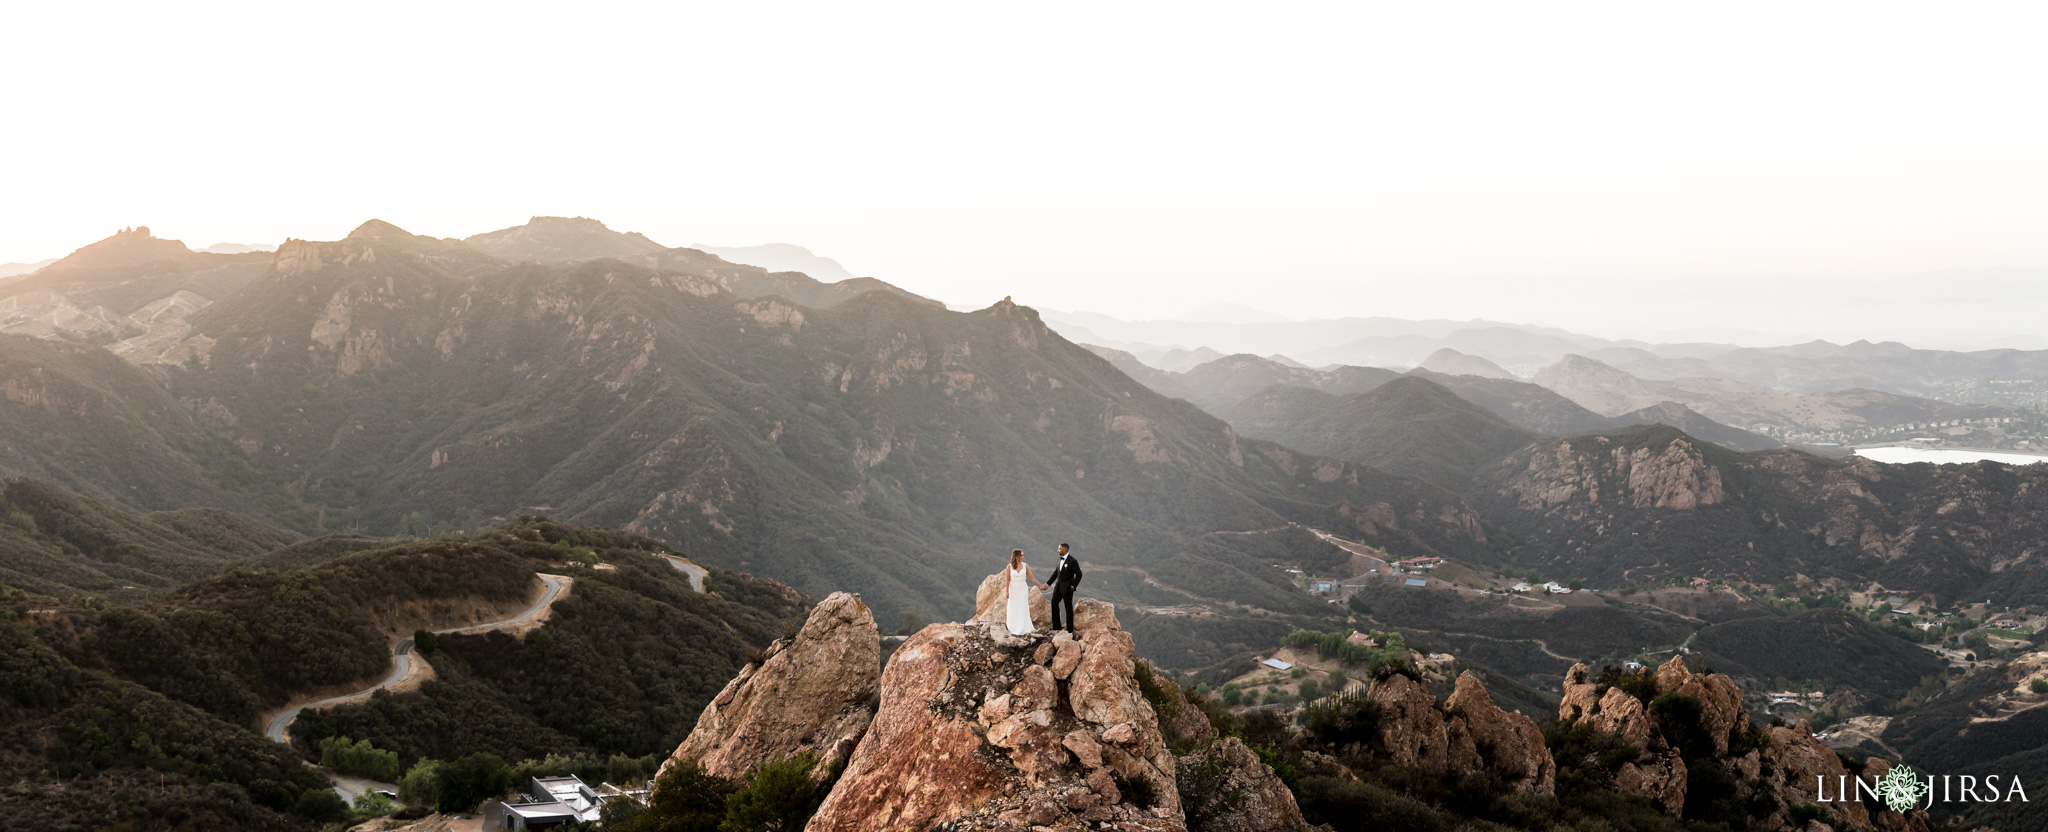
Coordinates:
<point>1063,599</point>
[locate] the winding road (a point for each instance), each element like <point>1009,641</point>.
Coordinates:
<point>695,572</point>
<point>401,656</point>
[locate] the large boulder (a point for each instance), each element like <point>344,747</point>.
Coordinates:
<point>815,692</point>
<point>1722,717</point>
<point>1510,743</point>
<point>1225,788</point>
<point>976,731</point>
<point>1414,735</point>
<point>992,603</point>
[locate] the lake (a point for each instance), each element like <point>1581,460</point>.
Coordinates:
<point>1948,456</point>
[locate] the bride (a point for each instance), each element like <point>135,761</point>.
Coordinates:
<point>1021,580</point>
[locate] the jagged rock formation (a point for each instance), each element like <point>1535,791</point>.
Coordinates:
<point>991,601</point>
<point>1510,744</point>
<point>1776,767</point>
<point>981,730</point>
<point>1232,791</point>
<point>813,693</point>
<point>1465,735</point>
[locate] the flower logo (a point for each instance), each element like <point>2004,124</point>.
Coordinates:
<point>1901,789</point>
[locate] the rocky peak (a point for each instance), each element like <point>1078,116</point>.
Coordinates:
<point>1775,767</point>
<point>127,247</point>
<point>1464,735</point>
<point>980,729</point>
<point>814,692</point>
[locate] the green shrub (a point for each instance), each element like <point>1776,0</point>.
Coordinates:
<point>779,797</point>
<point>359,758</point>
<point>685,799</point>
<point>421,782</point>
<point>469,781</point>
<point>322,805</point>
<point>2038,686</point>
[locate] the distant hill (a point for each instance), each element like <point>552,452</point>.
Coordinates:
<point>1683,418</point>
<point>12,269</point>
<point>238,248</point>
<point>567,240</point>
<point>1229,379</point>
<point>1832,648</point>
<point>1612,391</point>
<point>1531,406</point>
<point>783,257</point>
<point>130,292</point>
<point>1409,425</point>
<point>563,239</point>
<point>1454,363</point>
<point>80,417</point>
<point>57,543</point>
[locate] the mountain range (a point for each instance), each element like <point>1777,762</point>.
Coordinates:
<point>859,437</point>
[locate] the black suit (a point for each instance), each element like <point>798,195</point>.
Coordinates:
<point>1066,577</point>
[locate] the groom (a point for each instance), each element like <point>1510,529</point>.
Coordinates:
<point>1066,577</point>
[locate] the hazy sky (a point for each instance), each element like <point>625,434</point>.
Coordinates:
<point>1582,164</point>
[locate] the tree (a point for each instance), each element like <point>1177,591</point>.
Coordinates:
<point>2038,686</point>
<point>421,783</point>
<point>322,805</point>
<point>685,799</point>
<point>1310,690</point>
<point>912,622</point>
<point>469,781</point>
<point>780,797</point>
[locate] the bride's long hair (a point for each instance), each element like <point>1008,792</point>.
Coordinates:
<point>1016,557</point>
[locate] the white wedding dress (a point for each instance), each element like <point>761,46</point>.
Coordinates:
<point>1019,614</point>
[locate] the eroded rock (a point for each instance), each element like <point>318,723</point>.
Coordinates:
<point>814,692</point>
<point>976,734</point>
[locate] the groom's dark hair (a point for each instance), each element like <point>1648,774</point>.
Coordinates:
<point>1065,546</point>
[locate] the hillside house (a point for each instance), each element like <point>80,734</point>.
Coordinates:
<point>1700,583</point>
<point>551,802</point>
<point>1322,586</point>
<point>1417,582</point>
<point>1521,586</point>
<point>1556,588</point>
<point>1361,639</point>
<point>1420,563</point>
<point>1277,664</point>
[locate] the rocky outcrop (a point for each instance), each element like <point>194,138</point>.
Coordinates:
<point>1776,767</point>
<point>1464,735</point>
<point>992,598</point>
<point>978,729</point>
<point>1657,773</point>
<point>1510,744</point>
<point>1227,789</point>
<point>815,692</point>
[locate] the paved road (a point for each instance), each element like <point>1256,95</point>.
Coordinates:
<point>695,572</point>
<point>401,659</point>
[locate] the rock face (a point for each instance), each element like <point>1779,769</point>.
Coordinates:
<point>815,692</point>
<point>1775,767</point>
<point>992,598</point>
<point>976,730</point>
<point>1467,735</point>
<point>1510,743</point>
<point>1230,790</point>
